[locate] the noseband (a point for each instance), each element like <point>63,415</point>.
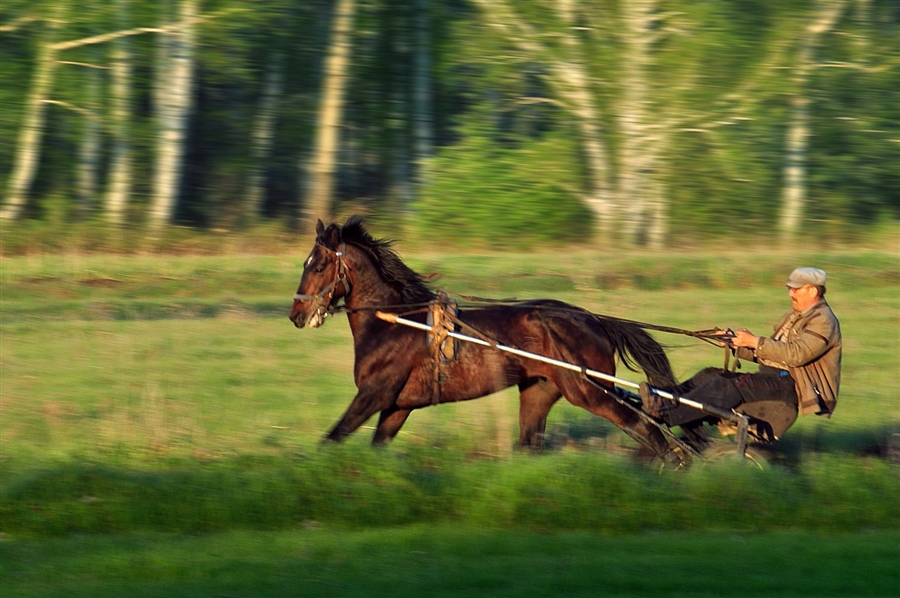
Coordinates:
<point>324,297</point>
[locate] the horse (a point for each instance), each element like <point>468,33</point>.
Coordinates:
<point>394,365</point>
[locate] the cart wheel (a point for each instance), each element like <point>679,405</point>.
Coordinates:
<point>723,452</point>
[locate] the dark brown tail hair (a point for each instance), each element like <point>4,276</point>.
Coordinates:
<point>640,351</point>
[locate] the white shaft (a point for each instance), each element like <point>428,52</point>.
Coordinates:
<point>569,366</point>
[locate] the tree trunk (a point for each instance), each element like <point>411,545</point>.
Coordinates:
<point>576,89</point>
<point>600,198</point>
<point>793,196</point>
<point>658,207</point>
<point>174,94</point>
<point>263,134</point>
<point>424,137</point>
<point>119,187</point>
<point>402,111</point>
<point>636,154</point>
<point>89,149</point>
<point>28,146</point>
<point>324,159</point>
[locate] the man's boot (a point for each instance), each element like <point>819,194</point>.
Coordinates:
<point>650,401</point>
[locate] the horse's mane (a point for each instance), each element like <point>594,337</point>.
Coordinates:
<point>410,284</point>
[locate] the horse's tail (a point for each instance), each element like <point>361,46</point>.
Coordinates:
<point>640,351</point>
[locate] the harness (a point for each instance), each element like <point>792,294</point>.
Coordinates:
<point>442,318</point>
<point>324,297</point>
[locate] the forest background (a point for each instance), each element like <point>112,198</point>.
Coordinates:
<point>484,123</point>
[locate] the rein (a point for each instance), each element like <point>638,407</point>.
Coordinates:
<point>712,336</point>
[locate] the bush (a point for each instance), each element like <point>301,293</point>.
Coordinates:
<point>481,193</point>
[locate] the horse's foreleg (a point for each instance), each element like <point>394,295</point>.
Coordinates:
<point>535,401</point>
<point>389,423</point>
<point>365,404</point>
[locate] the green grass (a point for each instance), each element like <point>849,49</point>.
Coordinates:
<point>453,561</point>
<point>194,356</point>
<point>152,395</point>
<point>356,488</point>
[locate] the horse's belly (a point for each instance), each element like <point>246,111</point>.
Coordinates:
<point>460,380</point>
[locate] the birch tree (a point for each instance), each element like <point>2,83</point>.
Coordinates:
<point>263,135</point>
<point>638,151</point>
<point>90,146</point>
<point>650,111</point>
<point>422,102</point>
<point>626,195</point>
<point>652,97</point>
<point>174,82</point>
<point>824,16</point>
<point>120,172</point>
<point>28,152</point>
<point>323,162</point>
<point>402,109</point>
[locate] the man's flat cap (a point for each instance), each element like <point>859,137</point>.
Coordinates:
<point>804,276</point>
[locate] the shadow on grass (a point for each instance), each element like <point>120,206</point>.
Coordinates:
<point>574,431</point>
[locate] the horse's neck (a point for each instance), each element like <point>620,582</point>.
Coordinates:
<point>369,290</point>
<point>362,307</point>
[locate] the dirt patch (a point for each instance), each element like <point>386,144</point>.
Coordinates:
<point>101,282</point>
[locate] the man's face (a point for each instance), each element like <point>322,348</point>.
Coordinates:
<point>804,297</point>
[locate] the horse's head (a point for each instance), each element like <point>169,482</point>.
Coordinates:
<point>324,279</point>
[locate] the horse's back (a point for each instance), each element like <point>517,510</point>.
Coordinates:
<point>546,327</point>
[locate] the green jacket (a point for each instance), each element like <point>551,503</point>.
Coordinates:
<point>811,352</point>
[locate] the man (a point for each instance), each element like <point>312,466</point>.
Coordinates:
<point>800,364</point>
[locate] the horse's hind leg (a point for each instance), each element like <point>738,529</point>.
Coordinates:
<point>536,397</point>
<point>652,436</point>
<point>389,423</point>
<point>581,394</point>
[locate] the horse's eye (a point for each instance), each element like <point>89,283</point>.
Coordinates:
<point>319,269</point>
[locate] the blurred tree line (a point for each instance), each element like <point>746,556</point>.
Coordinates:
<point>640,121</point>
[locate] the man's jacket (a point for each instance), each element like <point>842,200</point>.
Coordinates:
<point>810,349</point>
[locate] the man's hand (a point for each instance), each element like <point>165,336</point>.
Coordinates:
<point>724,336</point>
<point>745,338</point>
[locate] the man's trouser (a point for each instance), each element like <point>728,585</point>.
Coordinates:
<point>728,390</point>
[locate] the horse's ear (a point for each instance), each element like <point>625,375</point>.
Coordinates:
<point>320,227</point>
<point>331,236</point>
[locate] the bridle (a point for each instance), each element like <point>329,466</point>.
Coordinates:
<point>324,297</point>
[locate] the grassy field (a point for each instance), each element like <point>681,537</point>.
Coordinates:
<point>149,396</point>
<point>453,562</point>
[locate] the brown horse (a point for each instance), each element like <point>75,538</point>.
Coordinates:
<point>394,365</point>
